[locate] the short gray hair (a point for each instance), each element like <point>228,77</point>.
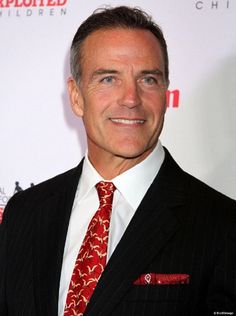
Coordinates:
<point>110,18</point>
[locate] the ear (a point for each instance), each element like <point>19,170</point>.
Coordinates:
<point>76,98</point>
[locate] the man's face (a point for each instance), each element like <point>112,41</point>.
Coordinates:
<point>121,95</point>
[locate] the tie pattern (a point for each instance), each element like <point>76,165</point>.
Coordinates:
<point>91,259</point>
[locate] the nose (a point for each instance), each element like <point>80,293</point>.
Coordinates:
<point>130,94</point>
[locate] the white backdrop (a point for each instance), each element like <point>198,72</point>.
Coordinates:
<point>39,135</point>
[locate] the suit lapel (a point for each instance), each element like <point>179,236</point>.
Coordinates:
<point>50,234</point>
<point>150,229</point>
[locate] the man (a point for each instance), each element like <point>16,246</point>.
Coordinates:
<point>172,240</point>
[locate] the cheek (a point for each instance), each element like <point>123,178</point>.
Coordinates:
<point>105,97</point>
<point>156,105</point>
<point>153,96</point>
<point>93,115</point>
<point>99,99</point>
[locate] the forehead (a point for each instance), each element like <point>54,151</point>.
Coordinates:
<point>121,43</point>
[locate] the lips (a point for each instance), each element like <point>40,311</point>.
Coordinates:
<point>127,121</point>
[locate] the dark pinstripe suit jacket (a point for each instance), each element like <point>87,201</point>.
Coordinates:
<point>181,226</point>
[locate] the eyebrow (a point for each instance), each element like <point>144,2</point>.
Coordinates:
<point>152,72</point>
<point>103,71</point>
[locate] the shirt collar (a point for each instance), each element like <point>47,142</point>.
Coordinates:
<point>134,183</point>
<point>89,178</point>
<point>142,174</point>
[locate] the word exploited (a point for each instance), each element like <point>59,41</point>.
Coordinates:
<point>31,3</point>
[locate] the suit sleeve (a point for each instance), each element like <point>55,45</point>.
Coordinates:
<point>222,288</point>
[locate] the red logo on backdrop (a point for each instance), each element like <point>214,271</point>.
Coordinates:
<point>32,3</point>
<point>172,98</point>
<point>29,8</point>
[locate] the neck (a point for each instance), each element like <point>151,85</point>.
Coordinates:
<point>110,166</point>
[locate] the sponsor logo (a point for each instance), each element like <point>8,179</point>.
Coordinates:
<point>29,8</point>
<point>4,197</point>
<point>212,4</point>
<point>172,98</point>
<point>31,3</point>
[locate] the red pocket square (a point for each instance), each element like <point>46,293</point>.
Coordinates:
<point>162,279</point>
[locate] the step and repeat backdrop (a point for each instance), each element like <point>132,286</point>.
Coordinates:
<point>39,135</point>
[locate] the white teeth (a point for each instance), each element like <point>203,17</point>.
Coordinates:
<point>126,121</point>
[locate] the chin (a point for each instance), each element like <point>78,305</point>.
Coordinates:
<point>131,154</point>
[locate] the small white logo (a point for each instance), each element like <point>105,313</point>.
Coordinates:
<point>148,278</point>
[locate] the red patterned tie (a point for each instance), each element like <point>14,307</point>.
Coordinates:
<point>92,256</point>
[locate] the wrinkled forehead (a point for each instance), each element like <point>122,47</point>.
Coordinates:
<point>118,36</point>
<point>129,44</point>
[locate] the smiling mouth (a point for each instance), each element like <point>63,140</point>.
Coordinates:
<point>127,121</point>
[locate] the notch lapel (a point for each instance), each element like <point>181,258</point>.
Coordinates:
<point>150,229</point>
<point>52,219</point>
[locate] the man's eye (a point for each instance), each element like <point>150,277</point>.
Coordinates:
<point>108,79</point>
<point>150,80</point>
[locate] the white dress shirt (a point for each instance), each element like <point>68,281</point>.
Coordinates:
<point>131,187</point>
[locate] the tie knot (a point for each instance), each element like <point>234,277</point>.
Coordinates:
<point>105,192</point>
